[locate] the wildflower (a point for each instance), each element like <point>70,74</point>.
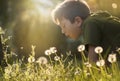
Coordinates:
<point>56,58</point>
<point>77,73</point>
<point>53,49</point>
<point>118,50</point>
<point>31,59</point>
<point>68,53</point>
<point>100,63</point>
<point>81,48</point>
<point>87,64</point>
<point>98,50</point>
<point>8,70</point>
<point>42,60</point>
<point>47,52</point>
<point>112,58</point>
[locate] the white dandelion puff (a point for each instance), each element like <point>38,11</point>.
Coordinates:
<point>77,73</point>
<point>100,63</point>
<point>42,60</point>
<point>118,50</point>
<point>31,59</point>
<point>53,49</point>
<point>98,49</point>
<point>87,64</point>
<point>56,58</point>
<point>48,52</point>
<point>81,48</point>
<point>112,58</point>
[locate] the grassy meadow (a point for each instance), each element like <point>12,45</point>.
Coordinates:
<point>58,69</point>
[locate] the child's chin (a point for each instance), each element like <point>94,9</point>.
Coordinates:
<point>73,38</point>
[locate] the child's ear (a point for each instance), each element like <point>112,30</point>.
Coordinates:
<point>78,20</point>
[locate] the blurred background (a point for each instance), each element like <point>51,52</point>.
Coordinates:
<point>29,23</point>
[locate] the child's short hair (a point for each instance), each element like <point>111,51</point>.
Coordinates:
<point>70,9</point>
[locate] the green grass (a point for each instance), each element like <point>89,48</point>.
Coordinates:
<point>60,69</point>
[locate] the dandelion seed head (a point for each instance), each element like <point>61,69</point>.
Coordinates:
<point>42,60</point>
<point>48,52</point>
<point>53,49</point>
<point>98,50</point>
<point>81,48</point>
<point>100,63</point>
<point>87,64</point>
<point>118,50</point>
<point>112,58</point>
<point>77,72</point>
<point>56,58</point>
<point>31,59</point>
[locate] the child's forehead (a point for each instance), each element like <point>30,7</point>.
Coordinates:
<point>60,21</point>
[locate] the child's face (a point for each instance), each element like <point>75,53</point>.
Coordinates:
<point>71,30</point>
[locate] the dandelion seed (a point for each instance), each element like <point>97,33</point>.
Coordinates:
<point>98,50</point>
<point>87,64</point>
<point>100,63</point>
<point>53,49</point>
<point>48,52</point>
<point>42,60</point>
<point>112,58</point>
<point>56,58</point>
<point>81,48</point>
<point>31,59</point>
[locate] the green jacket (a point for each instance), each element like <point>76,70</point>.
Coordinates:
<point>102,29</point>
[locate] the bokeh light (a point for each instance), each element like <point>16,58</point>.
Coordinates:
<point>114,5</point>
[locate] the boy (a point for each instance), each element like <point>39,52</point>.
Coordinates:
<point>97,29</point>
